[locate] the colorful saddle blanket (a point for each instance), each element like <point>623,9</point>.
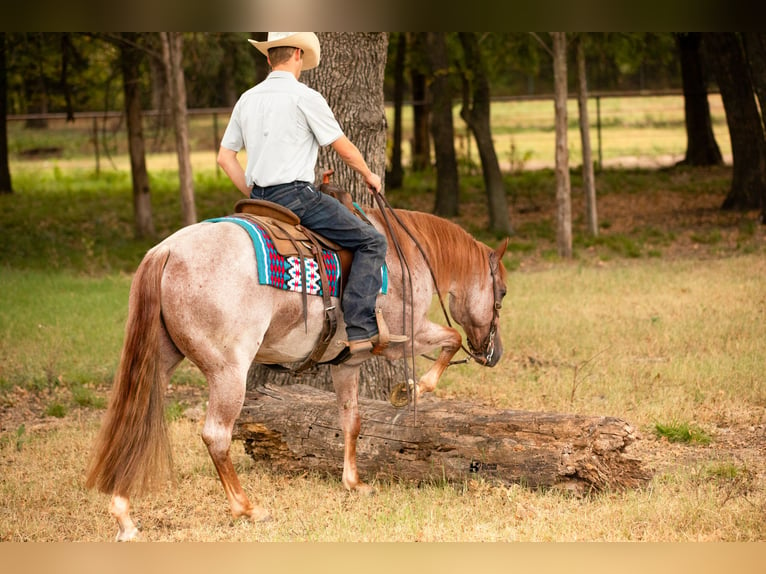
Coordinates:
<point>284,272</point>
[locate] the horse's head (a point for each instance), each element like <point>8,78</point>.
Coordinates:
<point>476,305</point>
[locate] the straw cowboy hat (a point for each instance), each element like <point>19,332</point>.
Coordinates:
<point>306,41</point>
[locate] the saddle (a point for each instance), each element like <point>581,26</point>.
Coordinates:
<point>291,239</point>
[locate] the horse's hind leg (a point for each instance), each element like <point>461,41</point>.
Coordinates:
<point>227,394</point>
<point>345,380</point>
<point>119,506</point>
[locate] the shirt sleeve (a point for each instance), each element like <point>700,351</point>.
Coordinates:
<point>320,118</point>
<point>232,137</point>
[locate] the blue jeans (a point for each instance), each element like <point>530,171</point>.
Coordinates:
<point>328,217</point>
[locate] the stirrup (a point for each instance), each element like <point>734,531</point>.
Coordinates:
<point>377,344</point>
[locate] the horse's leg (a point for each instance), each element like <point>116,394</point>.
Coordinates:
<point>437,336</point>
<point>345,379</point>
<point>119,508</point>
<point>227,394</point>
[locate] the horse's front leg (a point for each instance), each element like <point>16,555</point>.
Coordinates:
<point>449,340</point>
<point>345,379</point>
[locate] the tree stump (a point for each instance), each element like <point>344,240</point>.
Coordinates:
<point>296,428</point>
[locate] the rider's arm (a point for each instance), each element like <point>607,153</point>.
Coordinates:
<point>351,155</point>
<point>227,159</point>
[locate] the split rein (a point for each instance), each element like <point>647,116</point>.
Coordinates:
<point>481,356</point>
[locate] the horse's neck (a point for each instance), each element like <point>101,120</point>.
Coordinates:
<point>451,252</point>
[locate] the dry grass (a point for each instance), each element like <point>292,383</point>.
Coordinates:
<point>648,341</point>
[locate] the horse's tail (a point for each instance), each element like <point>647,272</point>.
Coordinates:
<point>132,450</point>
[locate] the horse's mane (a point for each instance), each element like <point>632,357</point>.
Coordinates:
<point>453,253</point>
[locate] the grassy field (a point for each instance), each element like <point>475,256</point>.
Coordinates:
<point>633,131</point>
<point>659,321</point>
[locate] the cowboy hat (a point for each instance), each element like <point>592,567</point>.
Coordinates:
<point>306,41</point>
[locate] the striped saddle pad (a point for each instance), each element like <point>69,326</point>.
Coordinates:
<point>283,271</point>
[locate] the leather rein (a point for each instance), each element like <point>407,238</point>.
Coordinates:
<point>484,354</point>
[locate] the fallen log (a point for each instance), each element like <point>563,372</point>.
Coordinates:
<point>296,428</point>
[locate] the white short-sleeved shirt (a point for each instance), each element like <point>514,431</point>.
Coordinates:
<point>281,123</point>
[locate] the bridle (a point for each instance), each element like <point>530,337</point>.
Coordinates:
<point>484,354</point>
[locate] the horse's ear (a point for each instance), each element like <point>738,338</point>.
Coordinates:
<point>501,248</point>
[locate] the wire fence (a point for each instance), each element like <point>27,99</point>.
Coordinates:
<point>627,129</point>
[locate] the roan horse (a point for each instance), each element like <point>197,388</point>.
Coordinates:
<point>197,295</point>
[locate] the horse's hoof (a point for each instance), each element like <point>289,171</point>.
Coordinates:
<point>365,490</point>
<point>260,515</point>
<point>126,535</point>
<point>399,396</point>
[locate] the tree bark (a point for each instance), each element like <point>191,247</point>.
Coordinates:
<point>442,128</point>
<point>701,147</point>
<point>296,428</point>
<point>588,178</point>
<point>5,170</point>
<point>350,76</point>
<point>395,177</point>
<point>351,79</point>
<point>748,146</point>
<point>476,114</point>
<point>172,55</point>
<point>130,60</point>
<point>563,185</point>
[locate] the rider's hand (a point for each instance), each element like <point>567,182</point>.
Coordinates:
<point>373,182</point>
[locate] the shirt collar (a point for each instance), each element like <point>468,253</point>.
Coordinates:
<point>281,74</point>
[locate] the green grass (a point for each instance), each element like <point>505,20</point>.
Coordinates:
<point>681,432</point>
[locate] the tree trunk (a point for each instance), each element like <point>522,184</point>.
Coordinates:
<point>351,79</point>
<point>755,50</point>
<point>755,47</point>
<point>350,76</point>
<point>588,178</point>
<point>563,186</point>
<point>748,147</point>
<point>421,109</point>
<point>35,86</point>
<point>229,42</point>
<point>395,176</point>
<point>442,128</point>
<point>701,147</point>
<point>476,113</point>
<point>296,429</point>
<point>172,55</point>
<point>160,91</point>
<point>130,60</point>
<point>5,170</point>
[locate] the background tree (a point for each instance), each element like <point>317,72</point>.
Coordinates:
<point>588,177</point>
<point>476,114</point>
<point>131,58</point>
<point>442,127</point>
<point>701,147</point>
<point>563,185</point>
<point>172,57</point>
<point>5,171</point>
<point>395,176</point>
<point>726,55</point>
<point>421,109</point>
